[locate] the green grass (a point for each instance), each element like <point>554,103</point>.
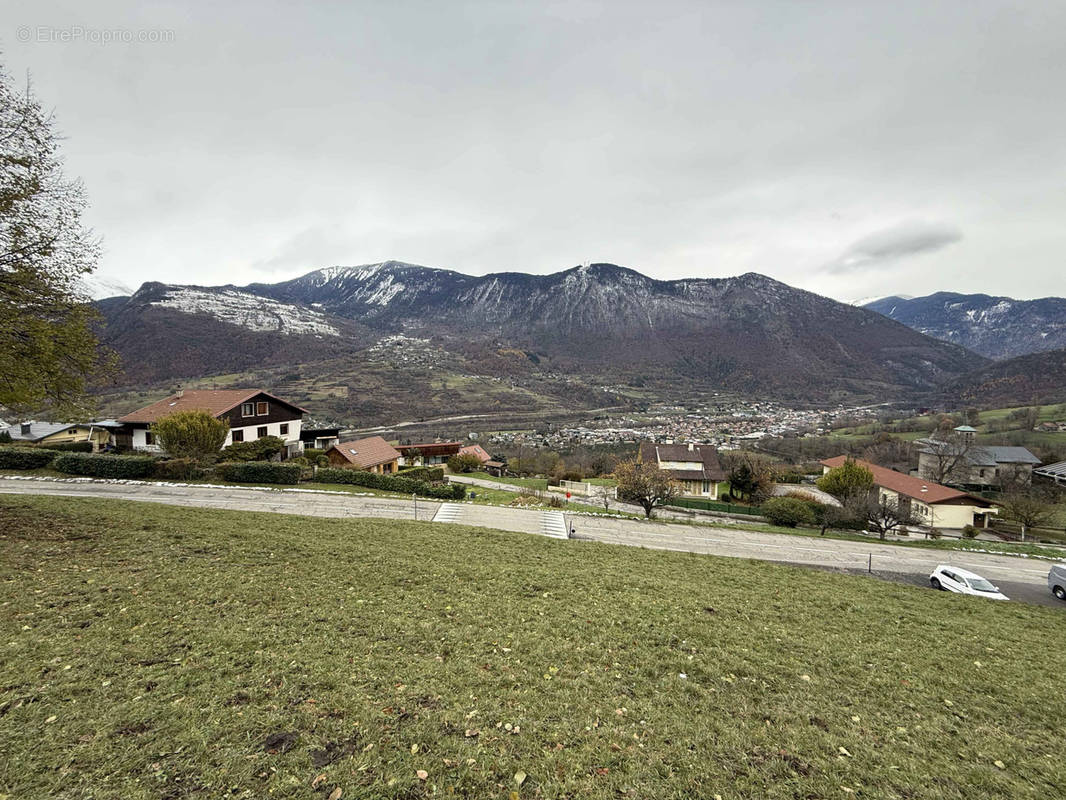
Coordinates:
<point>540,484</point>
<point>152,651</point>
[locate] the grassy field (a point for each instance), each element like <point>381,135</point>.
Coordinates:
<point>159,652</point>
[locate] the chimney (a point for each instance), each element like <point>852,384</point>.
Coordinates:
<point>691,447</point>
<point>25,428</point>
<point>180,392</point>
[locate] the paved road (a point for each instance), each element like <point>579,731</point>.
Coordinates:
<point>1026,577</point>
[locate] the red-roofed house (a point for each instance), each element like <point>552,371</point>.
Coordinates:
<point>251,413</point>
<point>373,454</point>
<point>475,450</point>
<point>936,505</point>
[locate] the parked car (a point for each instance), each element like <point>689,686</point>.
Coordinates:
<point>1056,581</point>
<point>962,581</point>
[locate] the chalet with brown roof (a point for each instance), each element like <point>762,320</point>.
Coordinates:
<point>694,466</point>
<point>251,414</point>
<point>937,506</point>
<point>373,454</point>
<point>428,452</point>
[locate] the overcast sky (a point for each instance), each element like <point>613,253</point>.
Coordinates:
<point>851,149</point>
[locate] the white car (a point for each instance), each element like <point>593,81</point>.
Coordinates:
<point>962,581</point>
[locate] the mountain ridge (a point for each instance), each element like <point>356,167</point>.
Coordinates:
<point>998,327</point>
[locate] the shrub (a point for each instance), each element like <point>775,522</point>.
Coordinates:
<point>390,483</point>
<point>464,462</point>
<point>178,469</point>
<point>192,434</point>
<point>5,437</point>
<point>788,512</point>
<point>260,472</point>
<point>969,532</point>
<point>103,466</point>
<point>25,457</point>
<point>262,449</point>
<point>72,447</point>
<point>427,474</point>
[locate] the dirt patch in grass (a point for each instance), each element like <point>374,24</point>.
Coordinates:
<point>23,520</point>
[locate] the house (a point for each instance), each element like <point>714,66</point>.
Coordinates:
<point>935,505</point>
<point>496,468</point>
<point>961,461</point>
<point>477,451</point>
<point>52,433</point>
<point>428,452</point>
<point>373,454</point>
<point>694,466</point>
<point>251,414</point>
<point>320,438</point>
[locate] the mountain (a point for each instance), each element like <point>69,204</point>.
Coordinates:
<point>1035,378</point>
<point>997,327</point>
<point>167,332</point>
<point>100,287</point>
<point>605,323</point>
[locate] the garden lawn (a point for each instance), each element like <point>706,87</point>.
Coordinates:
<point>150,651</point>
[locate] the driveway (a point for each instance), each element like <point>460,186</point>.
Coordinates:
<point>911,563</point>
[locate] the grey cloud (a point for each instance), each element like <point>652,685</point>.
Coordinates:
<point>891,244</point>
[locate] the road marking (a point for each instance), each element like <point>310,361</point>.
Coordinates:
<point>448,512</point>
<point>552,524</point>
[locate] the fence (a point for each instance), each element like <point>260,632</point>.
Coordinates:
<point>588,489</point>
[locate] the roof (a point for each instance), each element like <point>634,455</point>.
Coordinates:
<point>1056,470</point>
<point>432,448</point>
<point>985,455</point>
<point>366,453</point>
<point>214,401</point>
<point>495,464</point>
<point>966,429</point>
<point>475,450</point>
<point>917,488</point>
<point>39,430</point>
<point>703,457</point>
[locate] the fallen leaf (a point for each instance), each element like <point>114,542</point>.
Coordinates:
<point>1000,764</point>
<point>318,779</point>
<point>805,678</point>
<point>414,748</point>
<point>336,793</point>
<point>844,751</point>
<point>422,774</point>
<point>520,777</point>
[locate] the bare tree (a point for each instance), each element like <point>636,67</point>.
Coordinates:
<point>645,484</point>
<point>1030,507</point>
<point>947,457</point>
<point>604,494</point>
<point>885,514</point>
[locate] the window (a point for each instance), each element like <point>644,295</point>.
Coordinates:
<point>706,487</point>
<point>284,429</point>
<point>247,409</point>
<point>261,431</point>
<point>149,438</point>
<point>238,436</point>
<point>261,409</point>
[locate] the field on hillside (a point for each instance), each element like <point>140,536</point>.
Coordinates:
<point>152,651</point>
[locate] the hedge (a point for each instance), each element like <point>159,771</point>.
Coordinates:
<point>390,483</point>
<point>178,469</point>
<point>25,457</point>
<point>73,447</point>
<point>260,472</point>
<point>102,466</point>
<point>427,474</point>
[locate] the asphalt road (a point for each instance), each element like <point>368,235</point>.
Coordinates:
<point>1021,579</point>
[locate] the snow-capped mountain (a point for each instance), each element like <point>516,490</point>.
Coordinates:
<point>747,333</point>
<point>997,327</point>
<point>100,287</point>
<point>246,310</point>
